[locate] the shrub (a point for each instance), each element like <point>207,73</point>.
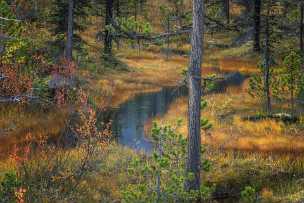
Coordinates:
<point>10,187</point>
<point>160,177</point>
<point>248,194</point>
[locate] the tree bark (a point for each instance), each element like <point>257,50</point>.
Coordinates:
<point>194,108</point>
<point>302,27</point>
<point>257,25</point>
<point>70,33</point>
<point>267,63</point>
<point>108,21</point>
<point>227,10</point>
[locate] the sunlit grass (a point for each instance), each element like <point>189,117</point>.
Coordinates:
<point>230,131</point>
<point>18,121</point>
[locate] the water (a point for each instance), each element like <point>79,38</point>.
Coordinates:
<point>131,117</point>
<point>129,120</point>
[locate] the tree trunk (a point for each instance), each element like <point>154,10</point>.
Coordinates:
<point>302,27</point>
<point>257,25</point>
<point>194,83</point>
<point>108,21</point>
<point>267,64</point>
<point>70,33</point>
<point>168,38</point>
<point>227,10</point>
<point>118,15</point>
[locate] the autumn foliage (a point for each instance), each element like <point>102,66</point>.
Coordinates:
<point>13,82</point>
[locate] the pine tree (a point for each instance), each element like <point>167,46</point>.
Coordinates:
<point>60,20</point>
<point>194,111</point>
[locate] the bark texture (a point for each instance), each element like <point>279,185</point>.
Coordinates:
<point>70,33</point>
<point>257,25</point>
<point>194,109</point>
<point>267,63</point>
<point>302,27</point>
<point>227,10</point>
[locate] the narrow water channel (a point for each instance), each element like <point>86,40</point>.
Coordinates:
<point>130,118</point>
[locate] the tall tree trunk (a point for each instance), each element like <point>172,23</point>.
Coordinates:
<point>227,10</point>
<point>267,63</point>
<point>302,27</point>
<point>70,33</point>
<point>117,16</point>
<point>194,108</point>
<point>108,21</point>
<point>257,25</point>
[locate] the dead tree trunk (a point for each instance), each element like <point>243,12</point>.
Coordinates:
<point>108,21</point>
<point>70,33</point>
<point>257,25</point>
<point>194,83</point>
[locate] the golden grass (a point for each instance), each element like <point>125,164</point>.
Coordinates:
<point>146,74</point>
<point>16,122</point>
<point>230,131</point>
<point>243,66</point>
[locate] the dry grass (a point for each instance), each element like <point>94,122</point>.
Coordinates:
<point>230,131</point>
<point>243,66</point>
<point>147,73</point>
<point>16,122</point>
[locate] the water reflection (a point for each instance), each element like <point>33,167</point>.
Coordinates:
<point>131,117</point>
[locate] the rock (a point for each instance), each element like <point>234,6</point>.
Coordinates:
<point>59,81</point>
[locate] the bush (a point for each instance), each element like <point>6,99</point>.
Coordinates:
<point>248,194</point>
<point>161,176</point>
<point>10,187</point>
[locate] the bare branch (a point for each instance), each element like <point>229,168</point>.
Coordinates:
<point>9,19</point>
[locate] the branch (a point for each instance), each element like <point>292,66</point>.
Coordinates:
<point>139,36</point>
<point>226,27</point>
<point>185,30</point>
<point>9,19</point>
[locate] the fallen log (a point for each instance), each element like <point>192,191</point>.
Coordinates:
<point>17,98</point>
<point>284,117</point>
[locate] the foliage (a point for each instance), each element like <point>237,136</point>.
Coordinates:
<point>9,187</point>
<point>160,177</point>
<point>58,175</point>
<point>63,81</point>
<point>59,16</point>
<point>290,81</point>
<point>130,24</point>
<point>41,88</point>
<point>256,82</point>
<point>248,194</point>
<point>12,26</point>
<point>13,82</point>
